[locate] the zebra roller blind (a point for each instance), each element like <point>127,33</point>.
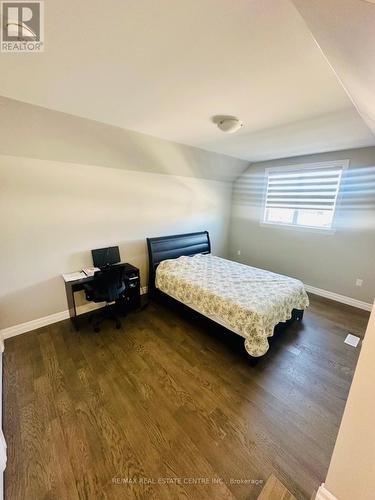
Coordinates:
<point>302,196</point>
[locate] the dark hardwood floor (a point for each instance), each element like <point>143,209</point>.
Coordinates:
<point>145,411</point>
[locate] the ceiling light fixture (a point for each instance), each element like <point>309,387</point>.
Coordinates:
<point>230,125</point>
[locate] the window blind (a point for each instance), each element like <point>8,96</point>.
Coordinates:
<point>305,189</point>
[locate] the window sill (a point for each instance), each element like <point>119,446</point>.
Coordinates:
<point>309,229</point>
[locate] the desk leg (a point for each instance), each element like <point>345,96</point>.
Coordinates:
<point>71,304</point>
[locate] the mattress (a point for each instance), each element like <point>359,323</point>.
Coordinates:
<point>247,300</point>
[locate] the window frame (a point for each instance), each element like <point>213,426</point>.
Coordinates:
<point>342,164</point>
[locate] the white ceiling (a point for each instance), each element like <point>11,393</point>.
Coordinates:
<point>166,68</point>
<point>345,31</point>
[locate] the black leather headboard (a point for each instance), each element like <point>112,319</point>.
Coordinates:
<point>172,247</point>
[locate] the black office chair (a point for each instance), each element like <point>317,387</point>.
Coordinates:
<point>107,286</point>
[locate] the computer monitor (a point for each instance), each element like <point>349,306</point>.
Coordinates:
<point>103,257</point>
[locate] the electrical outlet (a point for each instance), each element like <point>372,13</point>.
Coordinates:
<point>358,282</point>
<point>238,252</point>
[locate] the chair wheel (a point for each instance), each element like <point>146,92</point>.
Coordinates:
<point>96,329</point>
<point>118,325</point>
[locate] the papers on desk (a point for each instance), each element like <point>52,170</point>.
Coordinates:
<point>90,271</point>
<point>74,276</point>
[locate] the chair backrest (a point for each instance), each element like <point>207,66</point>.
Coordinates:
<point>108,283</point>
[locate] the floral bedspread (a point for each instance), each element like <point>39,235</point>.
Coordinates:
<point>247,300</point>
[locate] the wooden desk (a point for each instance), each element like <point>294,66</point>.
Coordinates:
<point>130,300</point>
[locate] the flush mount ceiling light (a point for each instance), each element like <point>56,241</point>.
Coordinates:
<point>229,125</point>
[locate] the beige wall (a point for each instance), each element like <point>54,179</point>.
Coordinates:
<point>54,210</point>
<point>351,473</point>
<point>328,261</point>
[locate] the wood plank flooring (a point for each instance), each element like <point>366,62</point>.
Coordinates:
<point>275,490</point>
<point>169,407</point>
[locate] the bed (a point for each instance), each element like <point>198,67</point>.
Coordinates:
<point>246,300</point>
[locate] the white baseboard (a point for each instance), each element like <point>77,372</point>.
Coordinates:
<point>12,331</point>
<point>339,298</point>
<point>324,494</point>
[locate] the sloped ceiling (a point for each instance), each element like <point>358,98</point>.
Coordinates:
<point>35,132</point>
<point>345,32</point>
<point>166,68</point>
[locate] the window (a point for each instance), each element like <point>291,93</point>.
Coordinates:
<point>303,196</point>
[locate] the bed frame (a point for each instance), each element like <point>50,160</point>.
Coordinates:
<point>172,247</point>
